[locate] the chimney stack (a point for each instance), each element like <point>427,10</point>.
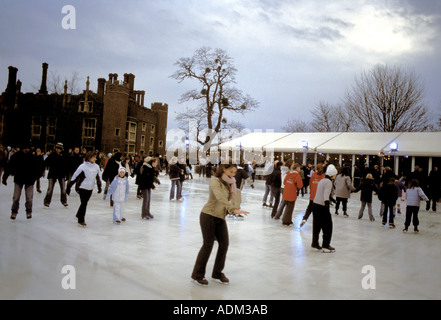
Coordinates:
<point>131,81</point>
<point>12,80</point>
<point>101,86</point>
<point>43,88</point>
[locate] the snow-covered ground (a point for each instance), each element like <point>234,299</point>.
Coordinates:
<point>51,257</point>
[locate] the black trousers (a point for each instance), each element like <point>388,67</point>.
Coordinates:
<point>388,207</point>
<point>344,201</point>
<point>412,215</point>
<point>321,221</point>
<point>276,193</point>
<point>84,198</point>
<point>308,210</point>
<point>213,228</point>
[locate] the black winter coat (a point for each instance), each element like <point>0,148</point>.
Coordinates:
<point>112,166</point>
<point>367,187</point>
<point>174,172</point>
<point>147,177</point>
<point>58,165</point>
<point>388,194</point>
<point>276,178</point>
<point>24,167</point>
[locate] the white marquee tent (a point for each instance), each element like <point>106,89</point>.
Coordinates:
<point>408,144</point>
<point>427,144</point>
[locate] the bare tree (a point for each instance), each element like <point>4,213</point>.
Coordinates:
<point>56,85</point>
<point>388,99</point>
<point>215,73</point>
<point>297,125</point>
<point>329,118</point>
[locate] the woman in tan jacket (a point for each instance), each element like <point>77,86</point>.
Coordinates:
<point>222,194</point>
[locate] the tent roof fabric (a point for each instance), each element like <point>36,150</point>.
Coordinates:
<point>426,144</point>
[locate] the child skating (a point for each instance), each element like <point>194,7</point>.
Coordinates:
<point>413,196</point>
<point>119,190</point>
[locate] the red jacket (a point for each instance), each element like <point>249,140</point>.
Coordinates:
<point>293,182</point>
<point>313,183</point>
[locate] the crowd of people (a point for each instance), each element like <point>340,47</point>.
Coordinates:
<point>289,180</point>
<point>286,181</point>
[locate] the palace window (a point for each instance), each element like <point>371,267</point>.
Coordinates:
<point>89,133</point>
<point>85,107</point>
<point>131,131</point>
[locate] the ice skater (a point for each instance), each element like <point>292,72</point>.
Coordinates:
<point>388,196</point>
<point>174,174</point>
<point>119,191</point>
<point>86,173</point>
<point>343,188</point>
<point>314,180</point>
<point>413,196</point>
<point>58,169</point>
<point>367,187</point>
<point>146,185</point>
<point>24,167</point>
<point>321,214</point>
<point>293,183</point>
<point>221,201</point>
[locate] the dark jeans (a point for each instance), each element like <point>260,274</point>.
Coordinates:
<point>50,190</point>
<point>29,193</point>
<point>276,193</point>
<point>344,202</point>
<point>390,208</point>
<point>212,229</point>
<point>84,199</point>
<point>146,196</point>
<point>321,221</point>
<point>287,216</point>
<point>176,183</point>
<point>282,205</point>
<point>412,212</point>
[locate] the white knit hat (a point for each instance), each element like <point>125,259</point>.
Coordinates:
<point>331,170</point>
<point>121,169</point>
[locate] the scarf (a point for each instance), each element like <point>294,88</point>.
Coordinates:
<point>233,187</point>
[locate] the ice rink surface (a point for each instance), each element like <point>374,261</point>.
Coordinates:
<point>153,259</point>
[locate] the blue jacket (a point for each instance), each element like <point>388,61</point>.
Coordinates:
<point>119,189</point>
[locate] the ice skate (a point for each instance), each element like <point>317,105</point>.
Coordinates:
<point>316,247</point>
<point>345,214</point>
<point>415,230</point>
<point>200,282</point>
<point>221,279</point>
<point>82,224</point>
<point>391,226</point>
<point>302,223</point>
<point>117,222</point>
<point>13,215</point>
<point>328,249</point>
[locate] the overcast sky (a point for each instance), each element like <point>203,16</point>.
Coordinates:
<point>290,54</point>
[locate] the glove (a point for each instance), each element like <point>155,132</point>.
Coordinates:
<point>99,189</point>
<point>4,182</point>
<point>69,186</point>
